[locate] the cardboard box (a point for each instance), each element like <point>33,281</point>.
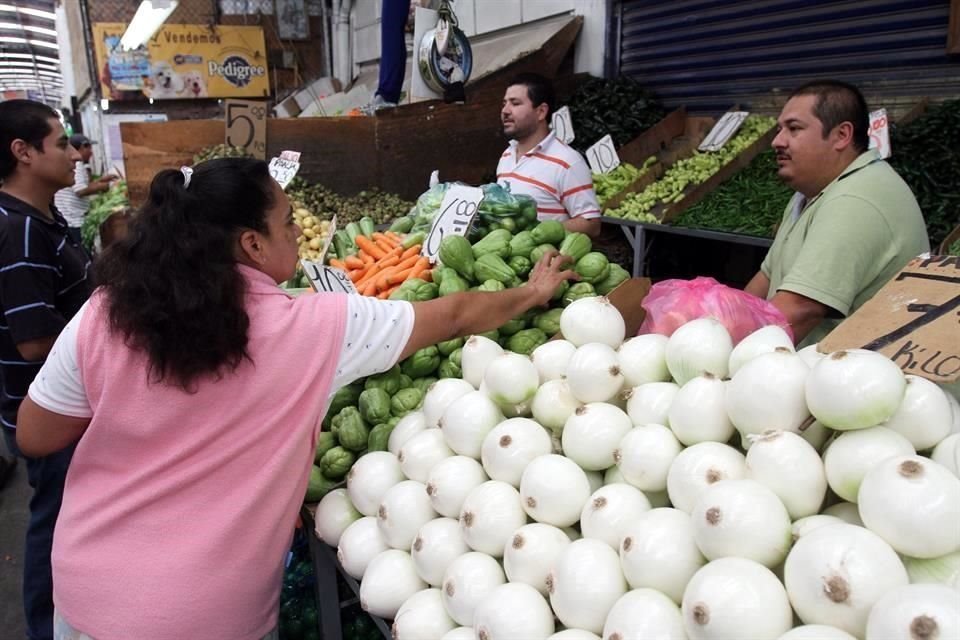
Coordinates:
<point>949,240</point>
<point>316,90</point>
<point>287,108</point>
<point>627,298</point>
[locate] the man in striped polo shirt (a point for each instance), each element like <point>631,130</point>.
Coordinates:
<point>43,282</point>
<point>73,202</point>
<point>539,165</point>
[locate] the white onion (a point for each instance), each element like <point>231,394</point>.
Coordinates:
<point>553,490</point>
<point>511,379</point>
<point>943,570</point>
<point>421,617</point>
<point>767,393</point>
<point>404,509</point>
<point>553,404</point>
<point>460,633</point>
<point>699,411</point>
<point>334,514</point>
<point>509,448</point>
<point>574,634</point>
<point>764,340</point>
<point>360,543</point>
<point>925,416</point>
<point>914,504</point>
<point>551,359</point>
<point>593,433</point>
<point>438,543</point>
<point>532,551</point>
<point>389,581</point>
<point>585,584</point>
<point>952,391</point>
<point>476,355</point>
<point>846,511</point>
<point>650,403</point>
<point>593,373</point>
<point>592,319</point>
<point>643,359</point>
<point>440,395</point>
<point>741,518</point>
<point>490,515</point>
<point>816,632</point>
<point>422,452</point>
<point>467,580</point>
<point>644,614</point>
<point>854,389</point>
<point>700,346</point>
<point>735,598</point>
<point>450,481</point>
<point>659,552</point>
<point>700,466</point>
<point>947,453</point>
<point>370,477</point>
<point>834,575</point>
<point>853,454</point>
<point>409,426</point>
<point>786,464</point>
<point>810,355</point>
<point>645,454</point>
<point>513,611</point>
<point>803,526</point>
<point>611,511</point>
<point>916,612</point>
<point>466,422</point>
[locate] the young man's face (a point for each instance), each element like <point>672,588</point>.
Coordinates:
<point>54,162</point>
<point>518,116</point>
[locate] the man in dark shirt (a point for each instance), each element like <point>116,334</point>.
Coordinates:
<point>43,282</point>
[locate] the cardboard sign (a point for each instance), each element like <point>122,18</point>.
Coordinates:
<point>562,125</point>
<point>914,320</point>
<point>246,126</point>
<point>457,210</point>
<point>284,167</point>
<point>880,132</point>
<point>602,156</point>
<point>725,128</point>
<point>324,279</point>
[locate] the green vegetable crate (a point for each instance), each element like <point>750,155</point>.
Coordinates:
<point>951,244</point>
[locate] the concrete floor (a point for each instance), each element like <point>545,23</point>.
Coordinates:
<point>14,501</point>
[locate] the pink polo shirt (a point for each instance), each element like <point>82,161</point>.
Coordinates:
<point>179,508</point>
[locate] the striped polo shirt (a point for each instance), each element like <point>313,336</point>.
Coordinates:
<point>72,206</point>
<point>553,174</point>
<point>43,282</point>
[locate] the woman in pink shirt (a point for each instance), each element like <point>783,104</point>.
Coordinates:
<point>194,388</point>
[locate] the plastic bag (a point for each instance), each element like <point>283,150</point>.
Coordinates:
<point>672,303</point>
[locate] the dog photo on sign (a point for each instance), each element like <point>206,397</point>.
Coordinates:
<point>164,81</point>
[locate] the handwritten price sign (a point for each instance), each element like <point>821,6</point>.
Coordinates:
<point>562,125</point>
<point>880,133</point>
<point>284,167</point>
<point>721,133</point>
<point>602,156</point>
<point>246,126</point>
<point>457,210</point>
<point>326,279</point>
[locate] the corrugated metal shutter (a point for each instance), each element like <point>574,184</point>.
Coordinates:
<point>709,54</point>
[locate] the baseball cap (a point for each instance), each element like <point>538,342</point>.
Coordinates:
<point>78,140</point>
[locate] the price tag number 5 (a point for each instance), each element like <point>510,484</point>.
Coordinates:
<point>244,123</point>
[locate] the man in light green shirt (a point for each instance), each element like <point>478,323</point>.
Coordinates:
<point>851,226</point>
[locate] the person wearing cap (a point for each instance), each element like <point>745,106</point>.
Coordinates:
<point>73,201</point>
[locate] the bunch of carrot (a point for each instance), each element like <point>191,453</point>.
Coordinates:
<point>382,264</point>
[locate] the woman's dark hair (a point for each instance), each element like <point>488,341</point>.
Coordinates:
<point>172,284</point>
<point>539,90</point>
<point>838,102</point>
<point>24,119</point>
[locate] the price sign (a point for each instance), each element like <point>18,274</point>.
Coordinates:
<point>880,132</point>
<point>602,156</point>
<point>324,279</point>
<point>246,126</point>
<point>914,320</point>
<point>562,125</point>
<point>326,243</point>
<point>457,210</point>
<point>284,167</point>
<point>725,128</point>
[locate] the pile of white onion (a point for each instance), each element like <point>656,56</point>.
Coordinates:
<point>680,487</point>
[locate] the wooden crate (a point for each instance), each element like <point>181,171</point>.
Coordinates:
<point>949,240</point>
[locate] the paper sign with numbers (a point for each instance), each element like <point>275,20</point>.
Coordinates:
<point>602,156</point>
<point>324,279</point>
<point>457,210</point>
<point>246,126</point>
<point>284,167</point>
<point>728,125</point>
<point>880,132</point>
<point>562,125</point>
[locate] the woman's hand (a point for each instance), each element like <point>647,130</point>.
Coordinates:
<point>547,275</point>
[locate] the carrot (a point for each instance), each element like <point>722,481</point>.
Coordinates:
<point>383,279</point>
<point>412,251</point>
<point>423,264</point>
<point>366,258</point>
<point>427,275</point>
<point>352,262</point>
<point>338,264</point>
<point>357,274</point>
<point>393,236</point>
<point>399,276</point>
<point>386,293</point>
<point>393,239</point>
<point>370,247</point>
<point>405,267</point>
<point>372,270</point>
<point>389,261</point>
<point>369,289</point>
<point>383,244</point>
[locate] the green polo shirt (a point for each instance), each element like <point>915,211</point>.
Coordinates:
<point>847,242</point>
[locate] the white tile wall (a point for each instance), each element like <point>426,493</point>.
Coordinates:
<point>536,9</point>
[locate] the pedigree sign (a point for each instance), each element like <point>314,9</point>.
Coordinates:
<point>183,62</point>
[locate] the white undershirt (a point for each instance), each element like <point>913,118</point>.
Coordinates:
<point>373,330</point>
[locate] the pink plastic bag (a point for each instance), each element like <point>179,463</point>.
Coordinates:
<point>672,303</point>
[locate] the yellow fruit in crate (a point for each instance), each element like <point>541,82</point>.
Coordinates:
<point>309,233</point>
<point>315,243</point>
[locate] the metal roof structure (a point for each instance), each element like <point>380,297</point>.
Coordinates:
<point>29,50</point>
